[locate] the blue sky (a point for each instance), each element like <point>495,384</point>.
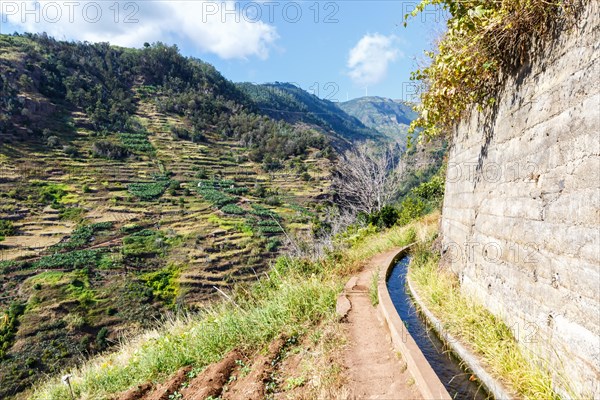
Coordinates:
<point>337,50</point>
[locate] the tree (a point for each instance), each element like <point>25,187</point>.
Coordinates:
<point>366,178</point>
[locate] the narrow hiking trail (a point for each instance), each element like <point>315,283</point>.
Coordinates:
<point>374,369</point>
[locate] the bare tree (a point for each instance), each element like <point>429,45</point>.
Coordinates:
<point>367,177</point>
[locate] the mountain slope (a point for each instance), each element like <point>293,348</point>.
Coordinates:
<point>390,117</point>
<point>134,182</point>
<point>284,101</point>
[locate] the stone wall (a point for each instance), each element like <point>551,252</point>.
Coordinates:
<point>521,216</point>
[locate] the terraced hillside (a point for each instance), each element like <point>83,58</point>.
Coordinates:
<point>128,202</point>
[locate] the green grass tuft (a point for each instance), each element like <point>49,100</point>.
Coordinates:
<point>374,289</point>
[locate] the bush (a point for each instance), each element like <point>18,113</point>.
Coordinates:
<point>82,235</point>
<point>432,190</point>
<point>201,174</point>
<point>71,151</point>
<point>163,284</point>
<point>71,214</point>
<point>261,211</point>
<point>273,201</point>
<point>8,327</point>
<point>385,218</point>
<point>53,141</point>
<point>106,149</point>
<point>101,338</point>
<point>144,243</point>
<point>410,209</point>
<point>136,142</point>
<point>217,198</point>
<point>6,228</point>
<point>270,165</point>
<point>52,193</point>
<point>72,260</point>
<point>273,245</point>
<point>486,41</point>
<point>185,134</point>
<point>259,190</point>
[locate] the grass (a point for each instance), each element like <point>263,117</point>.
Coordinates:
<point>373,289</point>
<point>296,297</point>
<point>486,334</point>
<point>366,242</point>
<point>287,302</point>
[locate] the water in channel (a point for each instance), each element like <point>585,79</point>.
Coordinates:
<point>445,365</point>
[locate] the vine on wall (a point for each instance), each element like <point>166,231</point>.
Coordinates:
<point>485,41</point>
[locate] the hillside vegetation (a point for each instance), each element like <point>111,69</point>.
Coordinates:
<point>134,182</point>
<point>296,299</point>
<point>485,42</point>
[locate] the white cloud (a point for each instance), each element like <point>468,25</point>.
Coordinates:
<point>368,61</point>
<point>215,27</point>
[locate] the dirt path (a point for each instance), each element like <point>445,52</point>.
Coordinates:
<point>375,370</point>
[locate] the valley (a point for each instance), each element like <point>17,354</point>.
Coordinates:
<point>106,231</point>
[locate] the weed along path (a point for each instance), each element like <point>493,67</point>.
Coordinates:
<point>374,369</point>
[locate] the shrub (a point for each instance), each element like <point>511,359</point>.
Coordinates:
<point>216,197</point>
<point>270,165</point>
<point>82,235</point>
<point>259,190</point>
<point>106,149</point>
<point>52,141</point>
<point>71,214</point>
<point>261,211</point>
<point>6,228</point>
<point>72,260</point>
<point>410,209</point>
<point>163,283</point>
<point>8,327</point>
<point>384,218</point>
<point>144,243</point>
<point>52,193</point>
<point>273,201</point>
<point>101,338</point>
<point>273,245</point>
<point>202,174</point>
<point>136,142</point>
<point>432,190</point>
<point>71,151</point>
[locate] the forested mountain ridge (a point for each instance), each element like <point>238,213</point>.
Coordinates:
<point>133,182</point>
<point>287,102</point>
<point>389,117</point>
